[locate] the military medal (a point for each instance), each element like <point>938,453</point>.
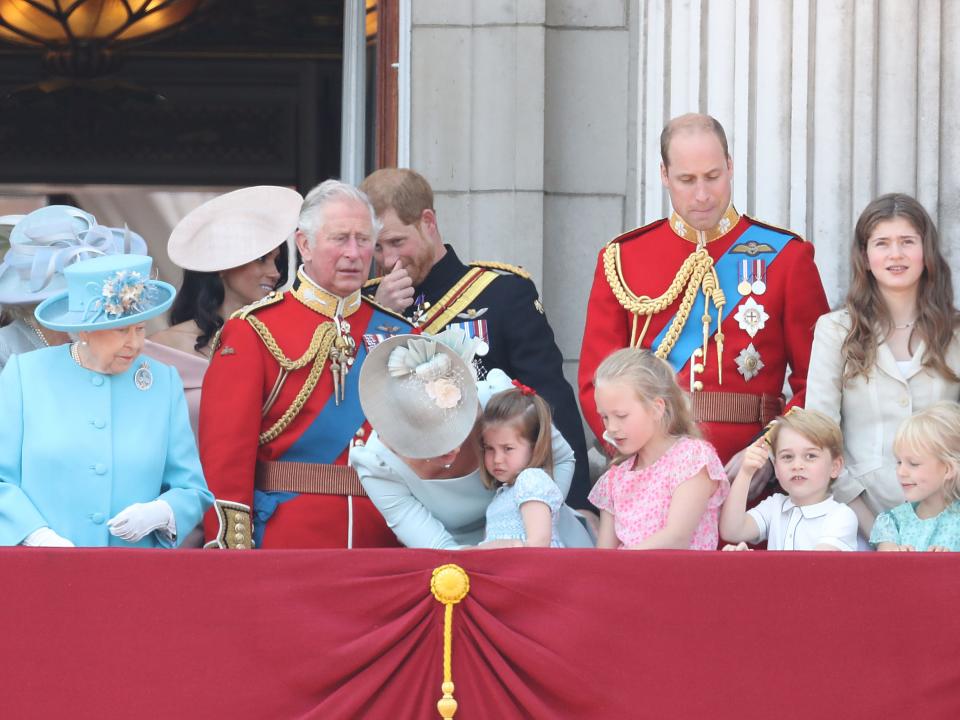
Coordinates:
<point>744,287</point>
<point>751,317</point>
<point>420,307</point>
<point>341,358</point>
<point>143,378</point>
<point>759,285</point>
<point>471,313</point>
<point>749,363</point>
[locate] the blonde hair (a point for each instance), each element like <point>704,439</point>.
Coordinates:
<point>530,416</point>
<point>650,378</point>
<point>814,426</point>
<point>936,432</point>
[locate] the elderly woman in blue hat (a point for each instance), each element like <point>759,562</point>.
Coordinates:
<point>95,444</point>
<point>42,244</point>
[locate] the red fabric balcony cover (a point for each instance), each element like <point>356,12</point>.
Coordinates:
<point>543,634</point>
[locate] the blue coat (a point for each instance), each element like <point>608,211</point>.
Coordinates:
<point>77,447</point>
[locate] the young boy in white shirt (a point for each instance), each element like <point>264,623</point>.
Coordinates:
<point>807,458</point>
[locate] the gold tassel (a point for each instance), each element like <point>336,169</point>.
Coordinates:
<point>449,584</point>
<point>718,338</point>
<point>719,300</point>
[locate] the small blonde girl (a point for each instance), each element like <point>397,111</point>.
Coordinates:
<point>927,447</point>
<point>515,432</point>
<point>665,486</point>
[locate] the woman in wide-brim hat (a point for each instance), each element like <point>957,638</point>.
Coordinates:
<point>95,444</point>
<point>421,465</point>
<point>42,243</point>
<point>233,252</point>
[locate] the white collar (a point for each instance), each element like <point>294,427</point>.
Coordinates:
<point>810,511</point>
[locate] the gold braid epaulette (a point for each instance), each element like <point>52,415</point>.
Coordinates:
<point>687,280</point>
<point>506,267</point>
<point>269,299</point>
<point>317,352</point>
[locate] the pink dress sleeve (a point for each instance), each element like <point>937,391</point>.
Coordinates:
<point>602,493</point>
<point>694,455</point>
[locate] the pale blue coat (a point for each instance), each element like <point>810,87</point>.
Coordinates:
<point>77,447</point>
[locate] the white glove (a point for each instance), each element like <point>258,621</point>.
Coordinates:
<point>45,537</point>
<point>135,522</point>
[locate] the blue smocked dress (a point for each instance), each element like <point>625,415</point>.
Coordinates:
<point>902,526</point>
<point>504,521</point>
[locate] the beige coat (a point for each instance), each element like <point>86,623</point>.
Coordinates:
<point>870,410</point>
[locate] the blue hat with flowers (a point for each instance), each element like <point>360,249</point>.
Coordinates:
<point>104,293</point>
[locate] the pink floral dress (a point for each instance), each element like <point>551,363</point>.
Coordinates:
<point>639,500</point>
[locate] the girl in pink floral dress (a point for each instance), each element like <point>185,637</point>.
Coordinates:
<point>665,487</point>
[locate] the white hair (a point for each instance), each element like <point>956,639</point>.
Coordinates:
<point>311,212</point>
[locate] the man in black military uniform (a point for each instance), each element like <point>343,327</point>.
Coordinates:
<point>426,281</point>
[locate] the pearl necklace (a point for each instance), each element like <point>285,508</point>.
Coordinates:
<point>30,324</point>
<point>75,354</point>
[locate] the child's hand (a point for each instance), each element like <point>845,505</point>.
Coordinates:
<point>738,547</point>
<point>938,548</point>
<point>754,458</point>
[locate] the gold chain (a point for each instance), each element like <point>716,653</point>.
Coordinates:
<point>318,351</point>
<point>688,279</point>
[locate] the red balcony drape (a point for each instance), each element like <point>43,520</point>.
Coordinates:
<point>542,634</point>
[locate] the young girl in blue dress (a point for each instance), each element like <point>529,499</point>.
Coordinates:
<point>518,463</point>
<point>927,447</point>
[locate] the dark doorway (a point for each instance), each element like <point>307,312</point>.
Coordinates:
<point>247,92</point>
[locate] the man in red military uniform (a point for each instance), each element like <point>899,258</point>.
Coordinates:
<point>729,301</point>
<point>280,407</point>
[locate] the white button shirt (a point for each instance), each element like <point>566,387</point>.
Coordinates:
<point>786,526</point>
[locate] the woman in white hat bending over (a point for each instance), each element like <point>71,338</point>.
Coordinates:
<point>95,443</point>
<point>421,465</point>
<point>233,253</point>
<point>42,244</point>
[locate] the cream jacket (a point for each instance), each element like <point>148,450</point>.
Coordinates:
<point>870,410</point>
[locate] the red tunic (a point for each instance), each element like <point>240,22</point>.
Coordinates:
<point>650,259</point>
<point>241,376</point>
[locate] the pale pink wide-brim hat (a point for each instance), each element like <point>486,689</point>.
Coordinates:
<point>236,228</point>
<point>423,405</point>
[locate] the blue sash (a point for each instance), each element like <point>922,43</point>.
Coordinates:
<point>691,336</point>
<point>327,437</point>
<point>332,430</point>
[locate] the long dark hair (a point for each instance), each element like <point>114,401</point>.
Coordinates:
<point>936,316</point>
<point>201,295</point>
